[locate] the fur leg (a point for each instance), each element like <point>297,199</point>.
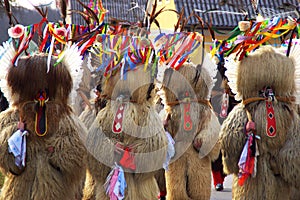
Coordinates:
<point>89,187</point>
<point>141,187</point>
<point>176,180</point>
<point>199,176</point>
<point>161,181</point>
<point>217,177</point>
<point>100,192</point>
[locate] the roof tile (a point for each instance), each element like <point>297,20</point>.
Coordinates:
<point>268,8</point>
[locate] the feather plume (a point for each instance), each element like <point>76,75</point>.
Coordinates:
<point>9,13</point>
<point>212,70</point>
<point>295,54</point>
<point>63,9</point>
<point>90,12</point>
<point>73,60</point>
<point>231,73</point>
<point>7,54</point>
<point>181,14</point>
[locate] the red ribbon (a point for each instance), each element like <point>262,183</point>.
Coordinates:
<point>247,165</point>
<point>128,160</point>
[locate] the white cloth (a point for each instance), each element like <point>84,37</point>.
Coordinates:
<point>170,151</point>
<point>17,146</point>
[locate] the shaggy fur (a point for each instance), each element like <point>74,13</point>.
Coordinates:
<point>295,194</point>
<point>87,117</point>
<point>189,175</point>
<point>278,162</point>
<point>146,136</point>
<point>55,163</point>
<point>251,78</point>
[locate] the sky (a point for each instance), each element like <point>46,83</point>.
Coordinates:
<point>28,3</point>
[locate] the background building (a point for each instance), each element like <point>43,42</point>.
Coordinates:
<point>217,13</point>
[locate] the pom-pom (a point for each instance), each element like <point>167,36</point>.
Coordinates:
<point>244,25</point>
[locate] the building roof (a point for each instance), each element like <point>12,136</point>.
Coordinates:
<point>119,9</point>
<point>267,8</point>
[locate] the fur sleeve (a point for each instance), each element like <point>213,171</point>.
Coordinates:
<point>69,156</point>
<point>209,136</point>
<point>289,157</point>
<point>233,139</point>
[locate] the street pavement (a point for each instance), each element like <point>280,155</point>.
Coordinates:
<point>226,193</point>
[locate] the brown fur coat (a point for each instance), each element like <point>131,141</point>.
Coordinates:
<point>278,161</point>
<point>142,130</point>
<point>55,163</point>
<point>189,174</point>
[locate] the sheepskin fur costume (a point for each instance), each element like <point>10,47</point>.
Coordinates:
<point>295,194</point>
<point>55,162</point>
<point>142,132</point>
<point>277,167</point>
<point>87,117</point>
<point>189,174</point>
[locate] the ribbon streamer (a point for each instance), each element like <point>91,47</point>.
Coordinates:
<point>115,183</point>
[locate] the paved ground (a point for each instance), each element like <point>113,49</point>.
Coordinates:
<point>226,193</point>
<point>223,195</point>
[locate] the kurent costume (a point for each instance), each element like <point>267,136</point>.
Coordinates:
<point>190,120</point>
<point>260,138</point>
<point>226,104</point>
<point>88,116</point>
<point>127,141</point>
<point>42,154</point>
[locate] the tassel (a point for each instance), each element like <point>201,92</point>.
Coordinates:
<point>115,183</point>
<point>128,161</point>
<point>246,162</point>
<point>248,158</point>
<point>50,53</point>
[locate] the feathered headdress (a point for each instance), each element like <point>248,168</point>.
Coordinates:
<point>121,52</point>
<point>232,66</point>
<point>70,58</point>
<point>234,49</point>
<point>249,35</point>
<point>173,50</point>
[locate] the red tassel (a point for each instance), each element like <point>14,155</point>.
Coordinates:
<point>249,167</point>
<point>127,161</point>
<point>247,160</point>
